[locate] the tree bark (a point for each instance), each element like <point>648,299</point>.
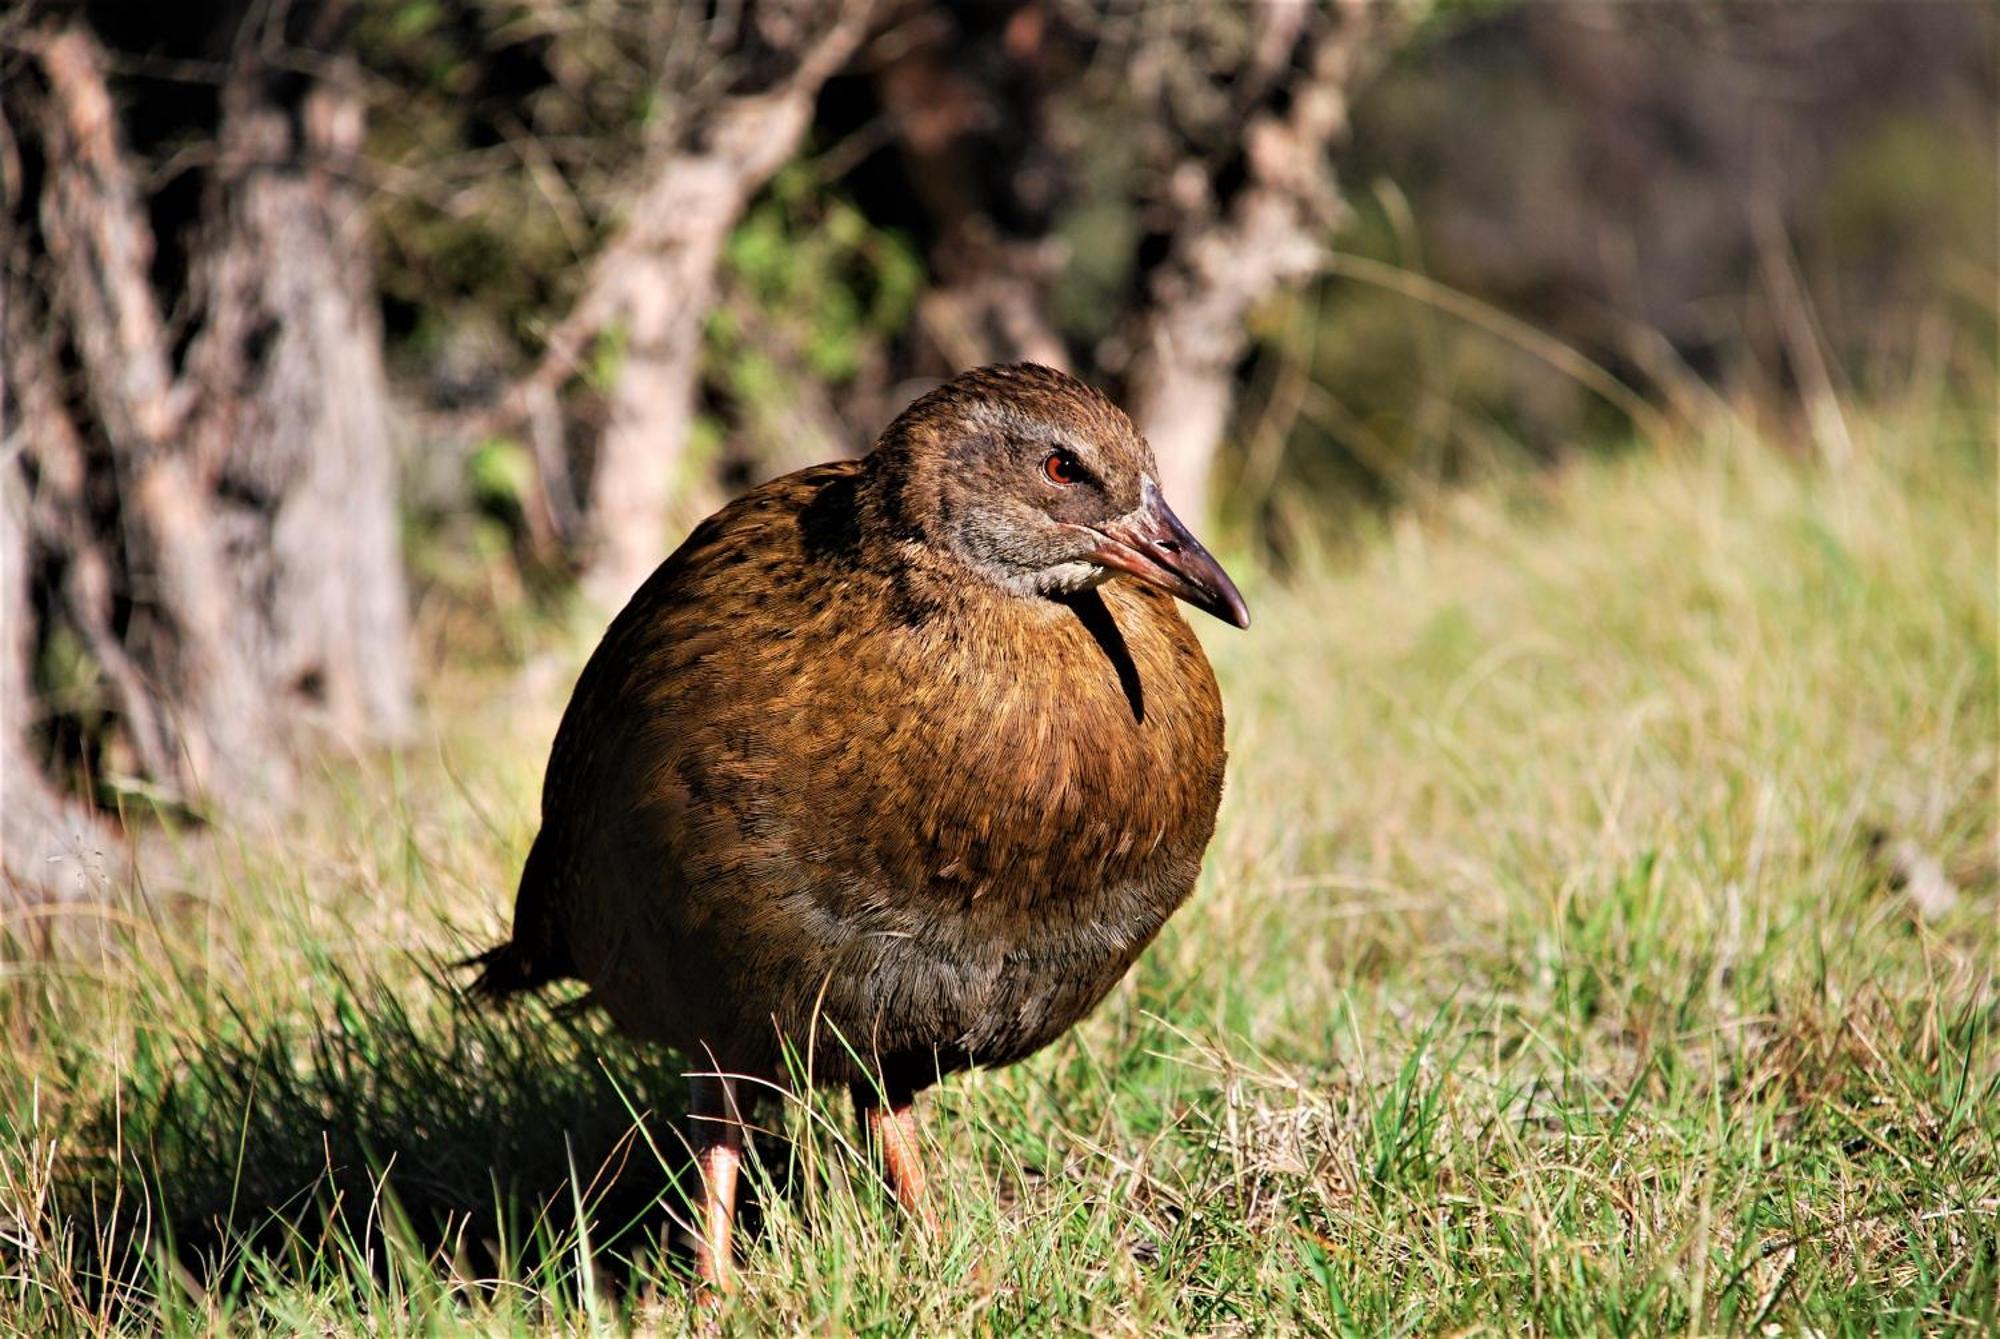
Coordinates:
<point>52,848</point>
<point>211,498</point>
<point>654,285</point>
<point>294,421</point>
<point>1230,254</point>
<point>99,245</point>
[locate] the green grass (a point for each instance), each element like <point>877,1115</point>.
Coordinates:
<point>1547,975</point>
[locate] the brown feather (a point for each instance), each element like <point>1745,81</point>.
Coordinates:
<point>822,788</point>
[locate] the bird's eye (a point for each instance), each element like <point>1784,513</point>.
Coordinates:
<point>1061,467</point>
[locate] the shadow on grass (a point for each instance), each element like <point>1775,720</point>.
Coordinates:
<point>416,1127</point>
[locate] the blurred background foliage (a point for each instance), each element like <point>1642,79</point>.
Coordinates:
<point>1636,180</point>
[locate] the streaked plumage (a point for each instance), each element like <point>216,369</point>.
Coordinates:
<point>879,766</point>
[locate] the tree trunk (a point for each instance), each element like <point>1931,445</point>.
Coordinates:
<point>1183,381</point>
<point>654,285</point>
<point>51,847</point>
<point>212,498</point>
<point>1274,230</point>
<point>98,248</point>
<point>662,270</point>
<point>294,422</point>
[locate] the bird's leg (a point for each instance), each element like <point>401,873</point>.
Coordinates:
<point>715,1128</point>
<point>889,1122</point>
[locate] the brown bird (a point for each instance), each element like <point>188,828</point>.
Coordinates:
<point>891,770</point>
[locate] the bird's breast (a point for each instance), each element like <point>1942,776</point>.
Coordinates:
<point>1008,765</point>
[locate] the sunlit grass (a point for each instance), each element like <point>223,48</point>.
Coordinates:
<point>1548,974</point>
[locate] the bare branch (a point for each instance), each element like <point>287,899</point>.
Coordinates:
<point>1275,230</point>
<point>653,282</point>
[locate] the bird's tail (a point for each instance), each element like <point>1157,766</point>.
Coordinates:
<point>503,970</point>
<point>537,954</point>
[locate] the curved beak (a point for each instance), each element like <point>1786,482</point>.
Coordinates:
<point>1152,545</point>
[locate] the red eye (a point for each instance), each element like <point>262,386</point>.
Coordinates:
<point>1061,467</point>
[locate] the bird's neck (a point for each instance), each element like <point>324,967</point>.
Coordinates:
<point>905,516</point>
<point>898,501</point>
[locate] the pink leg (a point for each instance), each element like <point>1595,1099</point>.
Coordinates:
<point>891,1130</point>
<point>715,1128</point>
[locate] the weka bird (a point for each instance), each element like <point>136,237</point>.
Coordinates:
<point>891,770</point>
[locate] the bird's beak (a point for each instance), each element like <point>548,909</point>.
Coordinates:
<point>1153,545</point>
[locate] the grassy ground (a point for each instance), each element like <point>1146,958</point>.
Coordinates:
<point>1558,968</point>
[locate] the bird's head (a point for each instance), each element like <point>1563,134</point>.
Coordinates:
<point>1035,482</point>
